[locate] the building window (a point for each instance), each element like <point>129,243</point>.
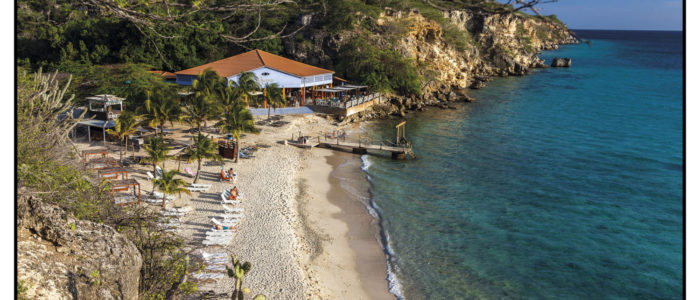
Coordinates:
<point>265,74</point>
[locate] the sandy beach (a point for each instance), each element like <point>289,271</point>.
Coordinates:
<point>305,235</point>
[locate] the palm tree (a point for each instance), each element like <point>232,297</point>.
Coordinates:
<point>162,105</point>
<point>202,105</point>
<point>237,121</point>
<point>157,151</point>
<point>170,185</point>
<point>229,96</point>
<point>125,125</point>
<point>274,96</point>
<point>248,83</point>
<point>203,148</point>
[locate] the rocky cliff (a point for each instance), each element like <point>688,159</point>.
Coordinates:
<point>466,51</point>
<point>60,257</point>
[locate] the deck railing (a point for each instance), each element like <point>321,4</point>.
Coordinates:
<point>354,101</point>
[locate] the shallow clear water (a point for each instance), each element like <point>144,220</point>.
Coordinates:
<point>564,184</point>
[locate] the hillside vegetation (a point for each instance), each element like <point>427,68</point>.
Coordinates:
<point>362,40</point>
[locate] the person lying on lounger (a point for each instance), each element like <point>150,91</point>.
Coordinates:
<point>223,176</point>
<point>233,194</point>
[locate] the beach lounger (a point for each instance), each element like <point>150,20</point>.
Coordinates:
<point>150,176</point>
<point>189,171</point>
<point>183,209</point>
<point>159,195</point>
<point>154,200</point>
<point>214,255</point>
<point>203,276</point>
<point>214,268</point>
<point>216,242</point>
<point>159,172</point>
<point>200,185</point>
<point>125,199</point>
<point>233,209</point>
<point>219,233</point>
<point>172,214</point>
<point>231,217</point>
<point>224,201</point>
<point>224,223</point>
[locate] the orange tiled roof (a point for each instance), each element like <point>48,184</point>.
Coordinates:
<point>165,74</point>
<point>254,59</point>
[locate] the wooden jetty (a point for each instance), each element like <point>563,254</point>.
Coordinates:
<point>400,150</point>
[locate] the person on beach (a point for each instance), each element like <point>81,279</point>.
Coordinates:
<point>231,175</point>
<point>233,194</point>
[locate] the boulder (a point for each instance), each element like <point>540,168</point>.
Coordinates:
<point>561,62</point>
<point>60,257</point>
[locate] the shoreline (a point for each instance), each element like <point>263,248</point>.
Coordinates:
<point>348,260</point>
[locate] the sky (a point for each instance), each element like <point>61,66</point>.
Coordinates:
<point>617,14</point>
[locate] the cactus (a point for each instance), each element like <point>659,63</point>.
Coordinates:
<point>237,271</point>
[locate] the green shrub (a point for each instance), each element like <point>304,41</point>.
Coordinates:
<point>381,69</point>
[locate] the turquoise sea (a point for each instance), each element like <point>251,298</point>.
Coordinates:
<point>563,184</point>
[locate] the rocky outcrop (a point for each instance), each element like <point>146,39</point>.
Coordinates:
<point>468,50</point>
<point>60,257</point>
<point>561,62</point>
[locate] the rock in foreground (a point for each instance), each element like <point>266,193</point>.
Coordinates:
<point>60,257</point>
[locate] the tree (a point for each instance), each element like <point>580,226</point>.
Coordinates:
<point>237,121</point>
<point>237,270</point>
<point>247,84</point>
<point>229,96</point>
<point>202,105</point>
<point>157,152</point>
<point>275,97</point>
<point>170,185</point>
<point>203,148</point>
<point>125,125</point>
<point>162,105</point>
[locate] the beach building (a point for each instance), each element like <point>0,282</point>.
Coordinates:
<point>304,86</point>
<point>298,80</point>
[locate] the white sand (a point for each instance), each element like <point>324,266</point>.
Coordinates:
<point>272,235</point>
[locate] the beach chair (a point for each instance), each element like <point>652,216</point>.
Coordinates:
<point>189,171</point>
<point>219,233</point>
<point>183,209</point>
<point>159,196</point>
<point>224,223</point>
<point>159,172</point>
<point>214,255</point>
<point>231,201</point>
<point>203,276</point>
<point>219,242</point>
<point>172,214</point>
<point>233,209</point>
<point>222,176</point>
<point>215,268</point>
<point>150,176</point>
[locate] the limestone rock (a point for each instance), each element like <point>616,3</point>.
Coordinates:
<point>561,62</point>
<point>60,257</point>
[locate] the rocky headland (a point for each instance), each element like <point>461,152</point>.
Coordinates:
<point>491,45</point>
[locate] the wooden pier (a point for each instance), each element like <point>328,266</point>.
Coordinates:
<point>359,147</point>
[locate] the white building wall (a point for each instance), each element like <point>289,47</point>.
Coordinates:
<point>268,76</point>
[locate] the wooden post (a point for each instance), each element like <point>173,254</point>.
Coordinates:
<point>104,136</point>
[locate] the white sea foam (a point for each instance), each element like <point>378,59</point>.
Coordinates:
<point>365,162</point>
<point>394,283</point>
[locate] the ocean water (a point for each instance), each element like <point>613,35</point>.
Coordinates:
<point>563,184</point>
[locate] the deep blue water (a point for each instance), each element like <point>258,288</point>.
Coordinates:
<point>563,184</point>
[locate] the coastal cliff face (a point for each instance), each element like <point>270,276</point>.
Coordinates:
<point>479,46</point>
<point>60,257</point>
